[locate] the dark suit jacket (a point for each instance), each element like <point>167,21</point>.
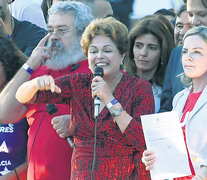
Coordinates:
<point>172,83</point>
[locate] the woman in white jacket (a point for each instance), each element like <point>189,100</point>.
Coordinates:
<point>191,104</point>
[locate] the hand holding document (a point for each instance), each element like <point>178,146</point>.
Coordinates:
<point>163,135</point>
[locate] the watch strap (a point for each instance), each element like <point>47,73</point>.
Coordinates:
<point>112,103</point>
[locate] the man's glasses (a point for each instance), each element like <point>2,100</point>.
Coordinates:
<point>58,32</point>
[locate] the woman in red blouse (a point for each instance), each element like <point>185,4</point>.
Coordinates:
<point>191,104</point>
<point>123,99</point>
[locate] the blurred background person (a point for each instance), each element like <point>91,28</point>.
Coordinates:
<point>99,8</point>
<point>123,100</point>
<point>191,104</point>
<point>102,9</point>
<point>13,137</point>
<point>182,25</point>
<point>197,15</point>
<point>121,10</point>
<point>25,34</point>
<point>168,13</point>
<point>28,10</point>
<point>151,42</point>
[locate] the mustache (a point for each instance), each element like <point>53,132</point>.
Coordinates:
<point>56,44</point>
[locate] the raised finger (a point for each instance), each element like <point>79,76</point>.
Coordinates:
<point>44,40</point>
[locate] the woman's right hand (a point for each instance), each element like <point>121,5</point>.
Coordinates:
<point>47,83</point>
<point>148,158</point>
<point>26,92</point>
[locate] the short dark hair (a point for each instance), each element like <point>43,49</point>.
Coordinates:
<point>180,10</point>
<point>165,12</point>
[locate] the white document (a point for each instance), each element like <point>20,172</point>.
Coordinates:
<point>164,136</point>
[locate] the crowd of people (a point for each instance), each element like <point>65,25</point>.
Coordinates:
<point>49,54</point>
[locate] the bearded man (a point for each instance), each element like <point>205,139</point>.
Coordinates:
<point>58,53</point>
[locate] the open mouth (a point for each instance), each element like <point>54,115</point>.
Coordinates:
<point>101,64</point>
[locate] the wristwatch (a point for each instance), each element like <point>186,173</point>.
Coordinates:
<point>116,112</point>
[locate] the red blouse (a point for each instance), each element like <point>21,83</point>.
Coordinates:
<point>189,105</point>
<point>118,155</point>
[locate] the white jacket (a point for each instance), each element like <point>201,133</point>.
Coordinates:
<point>196,126</point>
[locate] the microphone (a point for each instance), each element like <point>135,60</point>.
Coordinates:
<point>52,110</point>
<point>98,71</point>
<point>74,67</point>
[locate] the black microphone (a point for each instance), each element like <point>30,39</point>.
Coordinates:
<point>52,110</point>
<point>98,71</point>
<point>74,67</point>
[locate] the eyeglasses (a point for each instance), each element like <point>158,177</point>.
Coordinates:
<point>59,32</point>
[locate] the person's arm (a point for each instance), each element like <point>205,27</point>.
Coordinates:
<point>142,104</point>
<point>129,120</point>
<point>20,172</point>
<point>11,111</point>
<point>100,88</point>
<point>27,91</point>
